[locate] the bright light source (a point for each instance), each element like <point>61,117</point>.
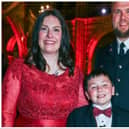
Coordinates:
<point>43,8</point>
<point>47,6</point>
<point>103,11</point>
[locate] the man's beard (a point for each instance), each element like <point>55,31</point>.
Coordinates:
<point>121,34</point>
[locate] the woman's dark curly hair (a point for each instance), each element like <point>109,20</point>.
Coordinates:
<point>66,54</point>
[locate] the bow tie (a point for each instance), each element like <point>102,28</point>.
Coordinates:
<point>106,112</point>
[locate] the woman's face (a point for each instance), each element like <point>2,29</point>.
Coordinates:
<point>50,35</point>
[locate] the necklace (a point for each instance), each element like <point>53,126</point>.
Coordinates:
<point>56,73</point>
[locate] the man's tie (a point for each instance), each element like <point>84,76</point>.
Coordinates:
<point>121,49</point>
<point>107,112</point>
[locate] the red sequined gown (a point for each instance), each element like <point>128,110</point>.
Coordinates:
<point>31,97</point>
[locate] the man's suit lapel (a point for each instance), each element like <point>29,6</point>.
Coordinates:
<point>112,49</point>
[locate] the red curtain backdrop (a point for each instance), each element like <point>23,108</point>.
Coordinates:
<point>86,33</point>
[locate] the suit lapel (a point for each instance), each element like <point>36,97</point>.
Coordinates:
<point>91,120</point>
<point>115,118</point>
<point>112,49</point>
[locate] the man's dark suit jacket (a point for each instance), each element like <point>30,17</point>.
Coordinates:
<point>83,117</point>
<point>117,67</point>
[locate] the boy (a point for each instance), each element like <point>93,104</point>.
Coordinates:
<point>98,89</point>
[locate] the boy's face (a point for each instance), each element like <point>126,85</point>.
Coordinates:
<point>100,90</point>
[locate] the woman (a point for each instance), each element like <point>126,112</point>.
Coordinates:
<point>46,87</point>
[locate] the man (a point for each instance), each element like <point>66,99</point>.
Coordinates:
<point>115,57</point>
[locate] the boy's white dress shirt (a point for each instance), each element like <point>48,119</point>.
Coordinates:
<point>102,120</point>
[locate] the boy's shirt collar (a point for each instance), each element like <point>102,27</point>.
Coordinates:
<point>98,106</point>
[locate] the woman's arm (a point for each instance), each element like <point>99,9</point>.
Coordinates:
<point>10,92</point>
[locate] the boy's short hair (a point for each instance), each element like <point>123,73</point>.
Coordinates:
<point>93,74</point>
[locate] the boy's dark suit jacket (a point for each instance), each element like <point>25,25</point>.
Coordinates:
<point>83,117</point>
